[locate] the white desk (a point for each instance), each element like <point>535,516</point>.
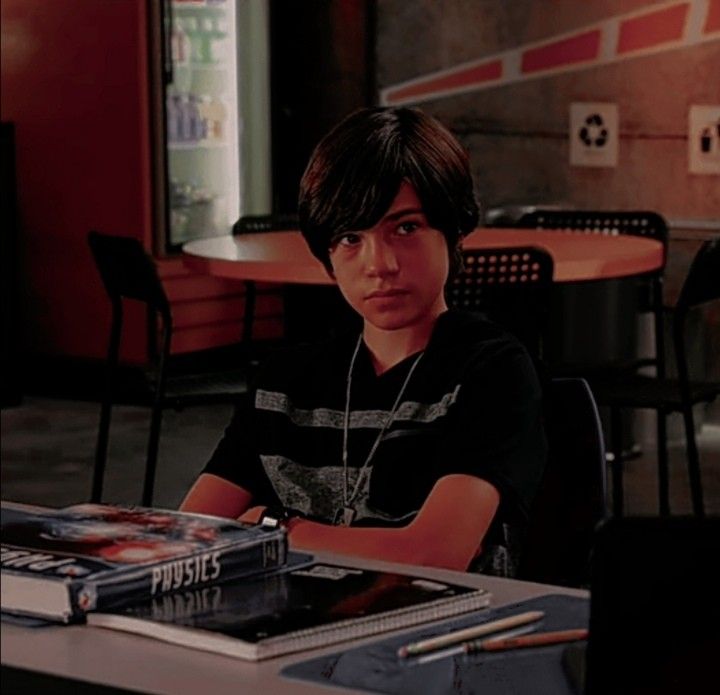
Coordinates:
<point>128,661</point>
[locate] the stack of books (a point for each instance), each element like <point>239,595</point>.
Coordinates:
<point>202,582</point>
<point>60,564</point>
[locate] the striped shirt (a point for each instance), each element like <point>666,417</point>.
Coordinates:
<point>472,406</point>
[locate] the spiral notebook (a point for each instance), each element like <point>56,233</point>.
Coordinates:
<point>288,612</point>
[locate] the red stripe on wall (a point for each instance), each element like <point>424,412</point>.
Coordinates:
<point>652,29</point>
<point>712,21</point>
<point>576,49</point>
<point>462,78</point>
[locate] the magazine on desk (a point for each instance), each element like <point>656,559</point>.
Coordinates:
<point>302,609</point>
<point>59,564</point>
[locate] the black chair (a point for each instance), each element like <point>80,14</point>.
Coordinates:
<point>510,285</point>
<point>649,299</point>
<point>649,285</point>
<point>129,273</point>
<point>665,395</point>
<point>571,500</point>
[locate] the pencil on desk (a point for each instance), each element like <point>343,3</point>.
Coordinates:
<point>468,633</point>
<point>454,650</point>
<point>538,639</point>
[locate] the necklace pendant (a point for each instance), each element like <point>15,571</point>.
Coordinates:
<point>344,516</point>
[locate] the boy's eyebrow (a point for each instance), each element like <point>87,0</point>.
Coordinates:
<point>401,213</point>
<point>390,217</point>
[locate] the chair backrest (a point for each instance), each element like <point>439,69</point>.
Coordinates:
<point>255,224</point>
<point>571,498</point>
<point>128,271</point>
<point>702,284</point>
<point>642,223</point>
<point>609,222</point>
<point>510,284</point>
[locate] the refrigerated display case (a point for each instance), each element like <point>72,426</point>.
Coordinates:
<point>201,120</point>
<point>209,85</point>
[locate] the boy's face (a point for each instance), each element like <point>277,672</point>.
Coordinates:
<point>394,273</point>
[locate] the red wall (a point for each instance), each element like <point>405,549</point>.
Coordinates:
<point>73,82</point>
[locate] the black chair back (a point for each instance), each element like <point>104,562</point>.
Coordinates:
<point>510,285</point>
<point>610,222</point>
<point>642,223</point>
<point>702,283</point>
<point>127,271</point>
<point>572,498</point>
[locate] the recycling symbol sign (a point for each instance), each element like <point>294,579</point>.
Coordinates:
<point>593,134</point>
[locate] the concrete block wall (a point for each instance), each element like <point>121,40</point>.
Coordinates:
<point>516,131</point>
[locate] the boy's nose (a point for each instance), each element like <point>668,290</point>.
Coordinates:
<point>380,257</point>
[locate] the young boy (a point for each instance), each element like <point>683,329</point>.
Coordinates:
<point>418,440</point>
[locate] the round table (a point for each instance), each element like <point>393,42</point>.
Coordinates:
<point>283,257</point>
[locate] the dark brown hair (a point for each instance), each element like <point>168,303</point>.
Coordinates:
<point>356,170</point>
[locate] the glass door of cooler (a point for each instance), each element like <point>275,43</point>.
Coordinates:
<point>202,122</point>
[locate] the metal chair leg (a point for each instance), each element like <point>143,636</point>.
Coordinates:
<point>152,456</point>
<point>101,451</point>
<point>693,457</point>
<point>617,462</point>
<point>663,474</point>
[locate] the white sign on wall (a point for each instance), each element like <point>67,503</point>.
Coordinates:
<point>593,134</point>
<point>704,139</point>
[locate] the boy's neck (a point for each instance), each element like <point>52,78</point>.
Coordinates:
<point>390,347</point>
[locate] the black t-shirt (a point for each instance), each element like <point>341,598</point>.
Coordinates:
<point>472,405</point>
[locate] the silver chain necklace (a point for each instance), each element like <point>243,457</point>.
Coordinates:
<point>347,513</point>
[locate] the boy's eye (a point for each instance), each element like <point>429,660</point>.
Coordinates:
<point>347,239</point>
<point>408,227</point>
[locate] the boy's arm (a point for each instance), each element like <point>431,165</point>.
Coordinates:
<point>213,495</point>
<point>447,531</point>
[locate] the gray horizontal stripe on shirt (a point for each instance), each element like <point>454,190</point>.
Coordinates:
<point>316,491</point>
<point>408,411</point>
<point>293,482</point>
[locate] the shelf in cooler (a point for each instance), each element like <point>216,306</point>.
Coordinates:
<point>184,146</point>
